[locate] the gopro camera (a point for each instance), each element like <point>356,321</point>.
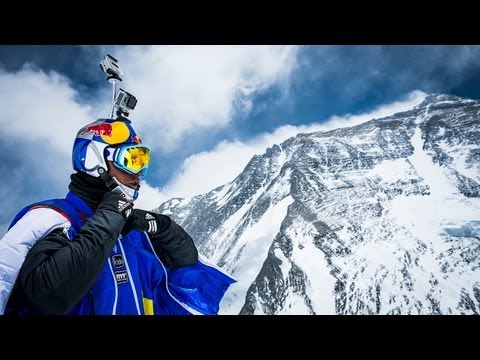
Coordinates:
<point>109,66</point>
<point>125,102</point>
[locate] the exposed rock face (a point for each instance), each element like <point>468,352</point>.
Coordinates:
<point>380,218</point>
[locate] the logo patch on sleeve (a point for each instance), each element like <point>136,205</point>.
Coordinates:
<point>118,261</point>
<point>121,277</point>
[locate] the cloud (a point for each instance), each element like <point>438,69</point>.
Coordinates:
<point>39,118</point>
<point>148,197</point>
<point>411,99</point>
<point>39,106</point>
<point>182,89</point>
<point>205,171</point>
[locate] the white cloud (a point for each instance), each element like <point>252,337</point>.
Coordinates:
<point>39,118</point>
<point>205,171</point>
<point>148,197</point>
<point>39,106</point>
<point>412,99</point>
<point>180,89</point>
<point>183,88</point>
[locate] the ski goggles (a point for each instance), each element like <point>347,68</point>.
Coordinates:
<point>131,158</point>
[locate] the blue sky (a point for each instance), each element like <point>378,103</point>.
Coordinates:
<point>205,110</point>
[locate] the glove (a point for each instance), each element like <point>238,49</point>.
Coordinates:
<point>148,221</point>
<point>172,244</point>
<point>116,202</point>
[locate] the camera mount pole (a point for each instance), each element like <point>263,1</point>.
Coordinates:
<point>113,81</point>
<point>109,65</point>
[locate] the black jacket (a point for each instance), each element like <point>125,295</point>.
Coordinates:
<point>57,271</point>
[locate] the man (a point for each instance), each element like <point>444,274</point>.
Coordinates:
<point>92,253</point>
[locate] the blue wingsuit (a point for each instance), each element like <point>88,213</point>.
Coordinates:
<point>133,281</point>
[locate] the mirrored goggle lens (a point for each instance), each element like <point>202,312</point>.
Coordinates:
<point>133,158</point>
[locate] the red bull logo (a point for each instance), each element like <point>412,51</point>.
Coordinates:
<point>104,129</point>
<point>136,139</point>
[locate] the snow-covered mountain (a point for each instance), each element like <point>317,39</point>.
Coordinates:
<point>379,218</point>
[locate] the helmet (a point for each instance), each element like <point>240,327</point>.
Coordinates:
<point>96,143</point>
<point>93,139</point>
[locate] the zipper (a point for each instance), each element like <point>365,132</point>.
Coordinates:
<point>92,303</point>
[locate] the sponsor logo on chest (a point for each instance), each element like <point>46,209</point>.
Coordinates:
<point>121,277</point>
<point>117,261</point>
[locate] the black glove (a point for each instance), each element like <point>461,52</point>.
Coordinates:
<point>172,244</point>
<point>148,221</point>
<point>116,202</point>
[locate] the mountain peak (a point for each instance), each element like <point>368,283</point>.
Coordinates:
<point>439,98</point>
<point>379,218</point>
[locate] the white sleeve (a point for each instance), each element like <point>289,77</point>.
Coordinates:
<point>18,240</point>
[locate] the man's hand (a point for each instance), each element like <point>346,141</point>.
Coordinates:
<point>114,201</point>
<point>172,244</point>
<point>150,222</point>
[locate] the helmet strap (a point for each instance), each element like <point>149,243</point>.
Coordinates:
<point>105,176</point>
